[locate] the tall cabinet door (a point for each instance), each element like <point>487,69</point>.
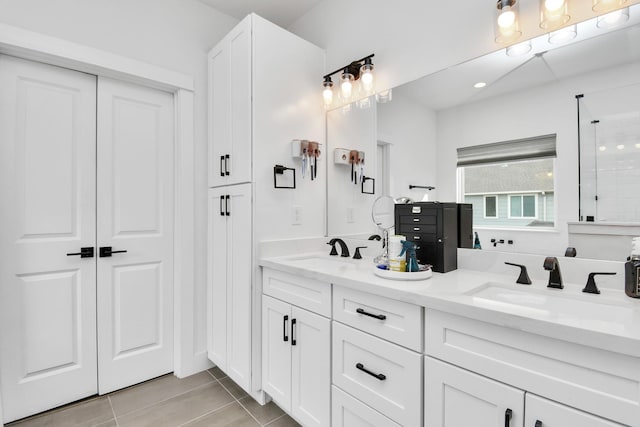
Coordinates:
<point>310,368</point>
<point>455,397</point>
<point>230,108</point>
<point>135,220</point>
<point>47,188</point>
<point>217,278</point>
<point>276,350</point>
<point>239,274</point>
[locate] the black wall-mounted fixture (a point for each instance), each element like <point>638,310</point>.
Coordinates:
<point>361,69</point>
<point>280,170</point>
<point>425,187</point>
<point>373,188</point>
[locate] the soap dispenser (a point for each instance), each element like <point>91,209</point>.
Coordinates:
<point>412,261</point>
<point>632,271</point>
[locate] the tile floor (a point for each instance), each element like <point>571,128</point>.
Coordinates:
<point>208,398</point>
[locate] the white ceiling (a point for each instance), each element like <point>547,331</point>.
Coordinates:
<point>281,12</point>
<point>591,50</point>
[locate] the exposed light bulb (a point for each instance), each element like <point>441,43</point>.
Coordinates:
<point>346,85</point>
<point>553,4</point>
<point>553,13</point>
<point>506,20</point>
<point>327,92</point>
<point>507,27</point>
<point>613,19</point>
<point>366,76</point>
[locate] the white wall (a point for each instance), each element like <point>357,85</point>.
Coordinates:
<point>538,111</point>
<point>411,130</point>
<point>174,34</point>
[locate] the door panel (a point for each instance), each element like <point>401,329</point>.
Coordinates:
<point>456,398</point>
<point>47,176</point>
<point>135,207</point>
<point>276,351</point>
<point>239,246</point>
<point>311,368</point>
<point>217,279</point>
<point>552,414</point>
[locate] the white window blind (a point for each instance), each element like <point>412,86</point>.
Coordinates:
<point>518,149</point>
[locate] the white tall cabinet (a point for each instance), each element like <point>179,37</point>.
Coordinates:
<point>256,107</point>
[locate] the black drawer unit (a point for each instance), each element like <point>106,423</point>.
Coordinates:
<point>433,226</point>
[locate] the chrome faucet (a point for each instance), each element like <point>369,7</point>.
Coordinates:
<point>553,267</point>
<point>344,250</point>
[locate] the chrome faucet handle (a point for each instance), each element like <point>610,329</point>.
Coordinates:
<point>523,279</point>
<point>591,287</point>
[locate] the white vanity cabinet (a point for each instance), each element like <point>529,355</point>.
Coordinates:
<point>385,378</point>
<point>497,368</point>
<point>230,107</point>
<point>296,358</point>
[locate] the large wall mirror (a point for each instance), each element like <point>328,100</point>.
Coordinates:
<point>417,134</point>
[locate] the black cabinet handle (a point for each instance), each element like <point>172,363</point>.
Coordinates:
<point>106,251</point>
<point>227,199</point>
<point>538,423</point>
<point>377,316</point>
<point>226,164</point>
<point>85,252</point>
<point>381,377</point>
<point>293,330</point>
<point>507,417</point>
<point>284,328</point>
<point>221,165</point>
<point>221,202</point>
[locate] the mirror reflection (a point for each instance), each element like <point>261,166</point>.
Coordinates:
<point>417,135</point>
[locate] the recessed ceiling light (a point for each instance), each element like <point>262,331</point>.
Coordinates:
<point>479,85</point>
<point>602,148</point>
<point>620,147</point>
<point>637,145</point>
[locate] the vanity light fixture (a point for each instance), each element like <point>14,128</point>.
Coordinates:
<point>519,49</point>
<point>507,26</point>
<point>479,85</point>
<point>607,5</point>
<point>554,13</point>
<point>613,19</point>
<point>360,70</point>
<point>563,35</point>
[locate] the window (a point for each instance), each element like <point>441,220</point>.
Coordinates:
<point>523,206</point>
<point>509,184</point>
<point>490,206</point>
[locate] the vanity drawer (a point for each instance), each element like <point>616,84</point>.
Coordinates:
<point>393,320</point>
<point>405,229</point>
<point>347,411</point>
<point>309,294</point>
<point>382,375</point>
<point>587,378</point>
<point>418,219</point>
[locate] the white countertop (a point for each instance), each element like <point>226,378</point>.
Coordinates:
<point>610,320</point>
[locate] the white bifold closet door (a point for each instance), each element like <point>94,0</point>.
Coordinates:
<point>71,326</point>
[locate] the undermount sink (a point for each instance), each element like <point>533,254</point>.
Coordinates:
<point>545,304</point>
<point>324,262</point>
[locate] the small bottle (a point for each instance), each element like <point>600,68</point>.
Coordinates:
<point>476,242</point>
<point>632,271</point>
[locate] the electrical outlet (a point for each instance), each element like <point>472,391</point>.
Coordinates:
<point>296,215</point>
<point>350,215</point>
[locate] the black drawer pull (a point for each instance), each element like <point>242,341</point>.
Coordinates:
<point>377,316</point>
<point>284,328</point>
<point>227,202</point>
<point>226,164</point>
<point>507,417</point>
<point>86,252</point>
<point>538,423</point>
<point>381,377</point>
<point>221,208</point>
<point>221,165</point>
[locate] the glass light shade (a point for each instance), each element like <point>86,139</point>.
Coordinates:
<point>346,86</point>
<point>554,13</point>
<point>613,19</point>
<point>327,93</point>
<point>563,35</point>
<point>366,78</point>
<point>607,5</point>
<point>507,27</point>
<point>384,96</point>
<point>519,49</point>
